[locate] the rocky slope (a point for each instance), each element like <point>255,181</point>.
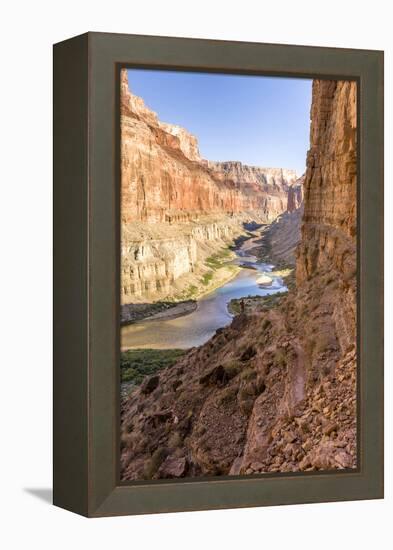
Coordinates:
<point>281,237</point>
<point>274,391</point>
<point>176,208</point>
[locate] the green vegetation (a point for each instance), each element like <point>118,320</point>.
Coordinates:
<point>189,293</point>
<point>255,303</point>
<point>207,277</point>
<point>192,290</point>
<point>135,364</point>
<point>227,395</point>
<point>175,440</point>
<point>286,272</point>
<point>217,260</point>
<point>248,374</point>
<point>232,368</point>
<point>220,270</point>
<point>155,462</point>
<point>280,357</point>
<point>272,300</point>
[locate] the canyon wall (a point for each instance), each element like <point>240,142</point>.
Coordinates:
<point>163,261</point>
<point>164,179</point>
<point>295,195</point>
<point>275,391</point>
<point>165,182</point>
<point>272,185</point>
<point>281,238</point>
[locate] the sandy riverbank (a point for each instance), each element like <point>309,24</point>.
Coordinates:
<point>134,313</point>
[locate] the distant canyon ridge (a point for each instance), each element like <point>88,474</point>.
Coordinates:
<point>178,209</point>
<point>276,390</point>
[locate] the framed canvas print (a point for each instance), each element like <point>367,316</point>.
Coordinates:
<point>218,264</point>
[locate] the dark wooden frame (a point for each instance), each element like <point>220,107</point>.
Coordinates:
<point>86,273</point>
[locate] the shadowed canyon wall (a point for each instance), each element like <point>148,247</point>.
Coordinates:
<point>176,208</point>
<point>274,391</point>
<point>283,235</point>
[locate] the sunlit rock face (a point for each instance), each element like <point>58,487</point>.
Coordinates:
<point>330,182</point>
<point>163,177</point>
<point>165,182</point>
<point>328,242</point>
<point>270,184</point>
<point>276,390</point>
<point>295,195</point>
<point>282,236</point>
<point>154,267</point>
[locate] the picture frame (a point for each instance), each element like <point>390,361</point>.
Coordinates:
<point>87,274</point>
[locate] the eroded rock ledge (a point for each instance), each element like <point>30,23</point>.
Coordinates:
<point>177,208</point>
<point>274,391</point>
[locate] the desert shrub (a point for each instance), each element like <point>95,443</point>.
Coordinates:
<point>201,430</point>
<point>248,353</point>
<point>217,260</point>
<point>309,346</point>
<point>175,440</point>
<point>207,277</point>
<point>324,342</point>
<point>280,357</point>
<point>135,364</point>
<point>126,440</point>
<point>249,389</point>
<point>266,323</point>
<point>140,444</point>
<point>204,442</point>
<point>232,368</point>
<point>152,465</point>
<point>246,399</point>
<point>227,395</point>
<point>191,291</point>
<point>248,374</point>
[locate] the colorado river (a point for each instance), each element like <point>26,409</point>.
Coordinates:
<point>212,312</point>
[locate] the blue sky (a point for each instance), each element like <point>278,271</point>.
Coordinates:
<point>262,121</point>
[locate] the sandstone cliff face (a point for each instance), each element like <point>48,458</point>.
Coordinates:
<point>164,179</point>
<point>272,184</point>
<point>159,266</point>
<point>295,195</point>
<point>282,237</point>
<point>274,391</point>
<point>238,172</point>
<point>164,182</point>
<point>328,242</point>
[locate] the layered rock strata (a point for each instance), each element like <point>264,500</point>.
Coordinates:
<point>280,239</point>
<point>167,259</point>
<point>295,195</point>
<point>164,182</point>
<point>274,391</point>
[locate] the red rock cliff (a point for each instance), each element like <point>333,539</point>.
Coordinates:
<point>274,391</point>
<point>295,195</point>
<point>176,208</point>
<point>164,179</point>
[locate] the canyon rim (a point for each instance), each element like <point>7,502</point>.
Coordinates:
<point>238,281</point>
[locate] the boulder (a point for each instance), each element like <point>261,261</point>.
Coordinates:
<point>150,384</point>
<point>173,467</point>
